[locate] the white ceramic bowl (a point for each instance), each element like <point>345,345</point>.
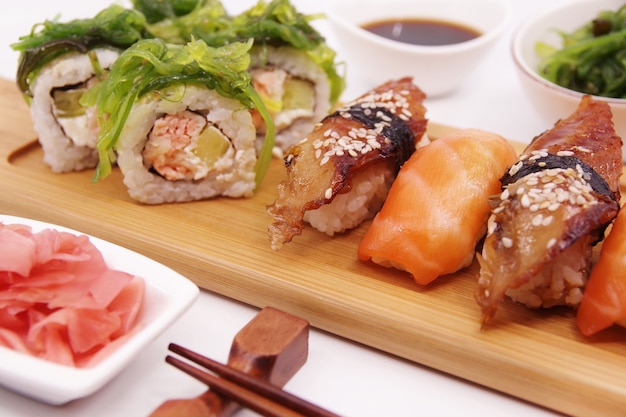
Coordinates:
<point>437,70</point>
<point>167,296</point>
<point>551,101</point>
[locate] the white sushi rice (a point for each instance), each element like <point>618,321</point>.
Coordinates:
<point>302,66</point>
<point>233,175</point>
<point>362,202</point>
<point>560,283</point>
<point>62,152</point>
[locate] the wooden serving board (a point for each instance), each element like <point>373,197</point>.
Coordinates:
<point>222,245</point>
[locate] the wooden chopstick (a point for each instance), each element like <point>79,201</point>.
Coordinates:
<point>251,392</point>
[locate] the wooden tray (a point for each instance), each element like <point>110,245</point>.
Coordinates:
<point>222,245</point>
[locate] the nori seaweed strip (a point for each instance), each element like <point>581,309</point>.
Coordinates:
<point>32,58</point>
<point>114,26</point>
<point>529,166</point>
<point>396,129</point>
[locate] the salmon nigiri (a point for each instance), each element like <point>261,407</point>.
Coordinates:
<point>557,201</point>
<point>604,299</point>
<point>438,206</point>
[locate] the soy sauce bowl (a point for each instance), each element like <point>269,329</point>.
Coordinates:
<point>438,70</point>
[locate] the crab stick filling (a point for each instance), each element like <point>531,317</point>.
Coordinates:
<point>184,146</point>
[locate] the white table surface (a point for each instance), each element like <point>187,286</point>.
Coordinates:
<point>348,378</point>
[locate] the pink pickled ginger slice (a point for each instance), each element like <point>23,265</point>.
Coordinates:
<point>18,253</point>
<point>58,298</point>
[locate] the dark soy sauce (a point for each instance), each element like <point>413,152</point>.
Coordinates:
<point>422,32</point>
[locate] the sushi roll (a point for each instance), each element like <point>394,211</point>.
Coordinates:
<point>58,63</point>
<point>293,69</point>
<point>604,299</point>
<point>177,120</point>
<point>557,200</point>
<point>437,208</point>
<point>339,175</point>
<point>296,90</point>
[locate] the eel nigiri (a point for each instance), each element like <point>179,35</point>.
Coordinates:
<point>556,203</point>
<point>604,299</point>
<point>437,207</point>
<point>339,175</point>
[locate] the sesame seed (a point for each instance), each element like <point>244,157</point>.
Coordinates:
<point>507,242</point>
<point>515,168</point>
<point>581,200</point>
<point>554,206</point>
<point>533,181</point>
<point>491,225</point>
<point>328,193</point>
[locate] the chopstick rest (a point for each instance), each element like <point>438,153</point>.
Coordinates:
<point>273,346</point>
<point>251,392</point>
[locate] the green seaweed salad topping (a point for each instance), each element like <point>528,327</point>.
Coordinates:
<point>274,23</point>
<point>114,26</point>
<point>152,66</point>
<point>179,21</point>
<point>592,58</point>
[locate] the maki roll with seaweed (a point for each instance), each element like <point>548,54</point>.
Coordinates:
<point>293,69</point>
<point>339,175</point>
<point>177,119</point>
<point>557,200</point>
<point>58,63</point>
